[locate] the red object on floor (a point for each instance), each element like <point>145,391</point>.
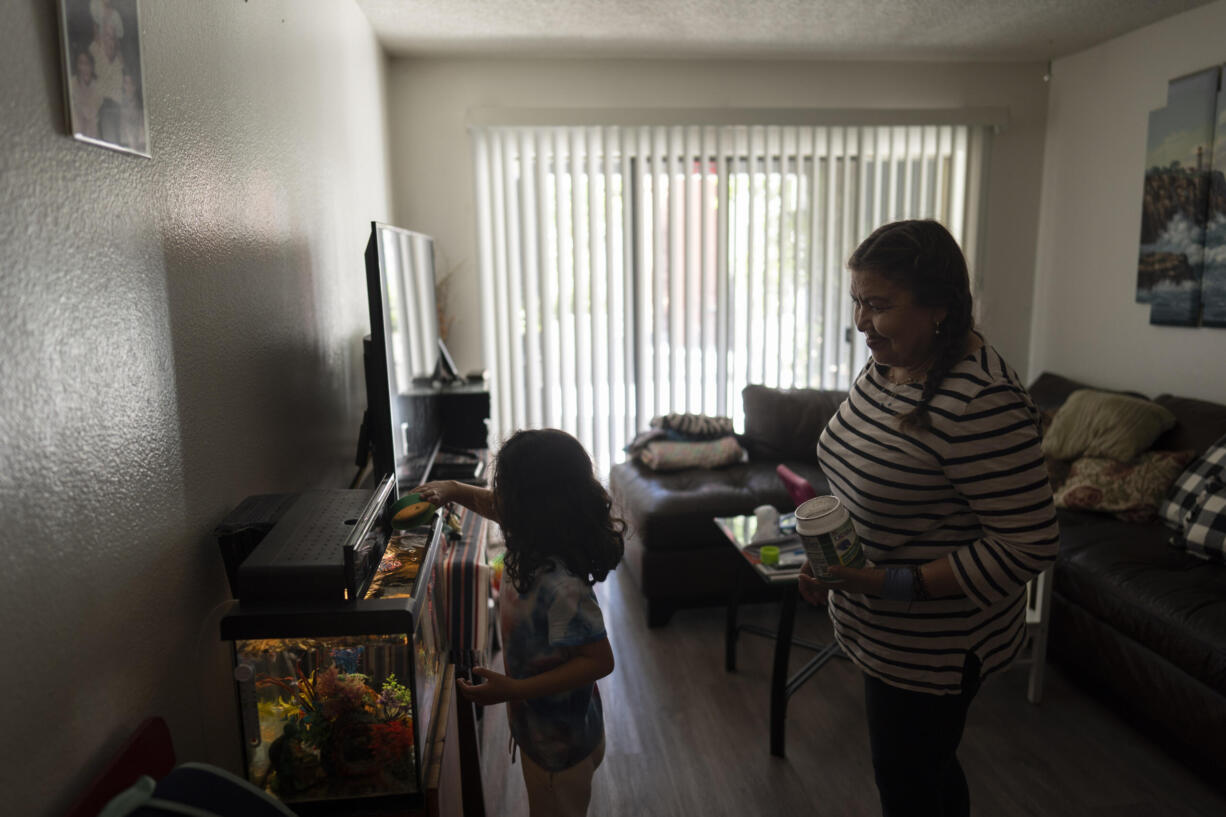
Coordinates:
<point>147,752</point>
<point>798,487</point>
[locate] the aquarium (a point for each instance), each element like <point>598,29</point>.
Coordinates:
<point>336,699</point>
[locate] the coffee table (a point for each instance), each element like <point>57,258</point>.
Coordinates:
<point>739,530</point>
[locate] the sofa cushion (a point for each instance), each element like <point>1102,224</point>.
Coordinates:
<point>1197,423</point>
<point>782,425</point>
<point>1170,602</point>
<point>1205,535</point>
<point>674,510</point>
<point>1049,391</point>
<point>1189,487</point>
<point>1095,423</point>
<point>1130,491</point>
<point>1071,518</point>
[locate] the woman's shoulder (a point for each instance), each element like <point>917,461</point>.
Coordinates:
<point>982,366</point>
<point>983,376</point>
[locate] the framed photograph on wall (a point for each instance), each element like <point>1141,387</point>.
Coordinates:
<point>104,80</point>
<point>1213,284</point>
<point>1174,207</point>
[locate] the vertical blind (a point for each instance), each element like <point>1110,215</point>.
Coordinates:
<point>629,272</point>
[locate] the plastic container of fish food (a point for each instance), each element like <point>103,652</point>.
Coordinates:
<point>830,540</point>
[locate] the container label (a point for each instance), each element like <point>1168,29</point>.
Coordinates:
<point>840,546</point>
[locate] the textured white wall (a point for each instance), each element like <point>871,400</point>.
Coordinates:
<point>432,161</point>
<point>176,334</point>
<point>1087,324</point>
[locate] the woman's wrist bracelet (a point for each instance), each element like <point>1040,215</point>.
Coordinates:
<point>904,584</point>
<point>899,584</point>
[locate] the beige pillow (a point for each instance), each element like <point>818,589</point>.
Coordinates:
<point>1101,424</point>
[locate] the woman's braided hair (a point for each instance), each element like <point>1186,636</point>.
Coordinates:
<point>922,257</point>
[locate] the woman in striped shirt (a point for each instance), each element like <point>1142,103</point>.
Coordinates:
<point>935,454</point>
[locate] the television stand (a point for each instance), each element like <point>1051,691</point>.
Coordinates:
<point>462,411</point>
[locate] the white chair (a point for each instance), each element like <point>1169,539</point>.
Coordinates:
<point>1038,617</point>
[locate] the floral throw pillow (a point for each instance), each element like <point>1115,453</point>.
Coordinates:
<point>1129,490</point>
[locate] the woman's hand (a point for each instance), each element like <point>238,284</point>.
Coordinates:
<point>853,579</point>
<point>811,590</point>
<point>495,689</point>
<point>858,579</point>
<point>438,493</point>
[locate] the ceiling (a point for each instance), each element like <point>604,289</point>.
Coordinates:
<point>947,30</point>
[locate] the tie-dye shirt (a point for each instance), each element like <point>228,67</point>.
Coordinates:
<point>539,628</point>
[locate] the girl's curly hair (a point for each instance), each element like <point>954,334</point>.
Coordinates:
<point>551,506</point>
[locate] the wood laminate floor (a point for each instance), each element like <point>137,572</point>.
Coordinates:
<point>685,738</point>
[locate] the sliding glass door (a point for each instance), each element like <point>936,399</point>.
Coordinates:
<point>632,272</point>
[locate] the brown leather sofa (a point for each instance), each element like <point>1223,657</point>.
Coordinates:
<point>1140,623</point>
<point>676,554</point>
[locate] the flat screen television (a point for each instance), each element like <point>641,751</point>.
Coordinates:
<point>400,354</point>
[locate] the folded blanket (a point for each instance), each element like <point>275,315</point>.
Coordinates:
<point>665,455</point>
<point>697,426</point>
<point>641,440</point>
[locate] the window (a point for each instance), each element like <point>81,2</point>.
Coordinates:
<point>629,272</point>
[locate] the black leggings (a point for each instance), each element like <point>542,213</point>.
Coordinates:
<point>914,738</point>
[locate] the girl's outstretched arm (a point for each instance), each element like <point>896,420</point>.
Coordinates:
<point>588,663</point>
<point>473,497</point>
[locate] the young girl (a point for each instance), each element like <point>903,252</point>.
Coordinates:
<point>561,539</point>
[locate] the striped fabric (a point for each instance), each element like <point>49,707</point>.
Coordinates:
<point>694,425</point>
<point>973,489</point>
<point>466,577</point>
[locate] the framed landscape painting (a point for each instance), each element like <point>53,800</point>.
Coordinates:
<point>1213,283</point>
<point>103,77</point>
<point>1174,211</point>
